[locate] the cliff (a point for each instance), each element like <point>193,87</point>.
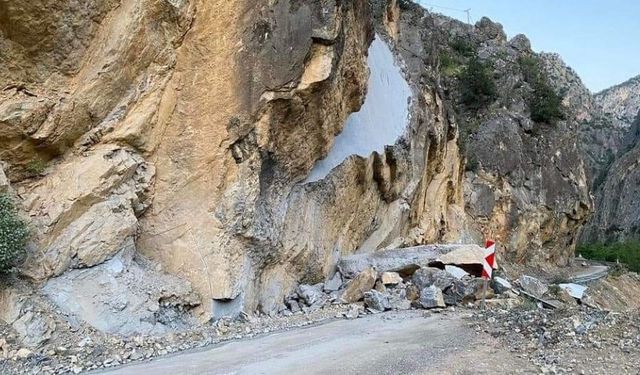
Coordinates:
<point>226,151</point>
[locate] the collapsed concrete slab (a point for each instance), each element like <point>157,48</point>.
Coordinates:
<point>405,261</point>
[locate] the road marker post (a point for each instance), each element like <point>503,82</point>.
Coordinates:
<point>488,264</point>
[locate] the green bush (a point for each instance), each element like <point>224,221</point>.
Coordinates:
<point>544,103</point>
<point>477,84</point>
<point>36,167</point>
<point>450,66</point>
<point>627,252</point>
<point>13,234</point>
<point>463,46</point>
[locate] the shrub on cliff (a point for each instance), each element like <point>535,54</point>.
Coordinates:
<point>544,103</point>
<point>477,84</point>
<point>13,234</point>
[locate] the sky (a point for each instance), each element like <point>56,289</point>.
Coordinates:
<point>599,39</point>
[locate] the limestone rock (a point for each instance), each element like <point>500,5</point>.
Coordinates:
<point>431,297</point>
<point>460,291</point>
<point>334,283</point>
<point>533,286</point>
<point>390,278</point>
<point>311,294</point>
<point>426,277</point>
<point>354,290</point>
<point>617,216</point>
<point>407,260</point>
<point>134,298</point>
<point>4,182</point>
<point>376,300</point>
<point>501,285</point>
<point>110,184</point>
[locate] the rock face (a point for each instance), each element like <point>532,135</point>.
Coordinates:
<point>617,217</point>
<point>604,133</point>
<point>621,102</point>
<point>525,183</point>
<point>188,132</point>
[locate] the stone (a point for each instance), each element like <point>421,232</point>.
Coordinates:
<point>376,300</point>
<point>115,181</point>
<point>293,306</point>
<point>403,260</point>
<point>575,290</point>
<point>133,297</point>
<point>412,292</point>
<point>23,353</point>
<point>457,272</point>
<point>431,297</point>
<point>521,43</point>
<point>214,188</point>
<point>380,287</point>
<point>353,312</point>
<point>390,278</point>
<point>533,286</point>
<point>311,294</point>
<point>500,285</point>
<point>399,303</point>
<point>428,276</point>
<point>4,348</point>
<point>354,290</point>
<point>334,283</point>
<point>460,291</point>
<point>4,182</point>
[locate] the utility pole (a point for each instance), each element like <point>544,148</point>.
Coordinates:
<point>468,12</point>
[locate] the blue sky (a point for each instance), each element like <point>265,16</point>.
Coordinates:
<point>600,39</point>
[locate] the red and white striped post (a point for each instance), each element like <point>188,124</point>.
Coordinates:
<point>488,264</point>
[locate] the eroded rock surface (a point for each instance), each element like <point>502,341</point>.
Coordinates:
<point>185,131</point>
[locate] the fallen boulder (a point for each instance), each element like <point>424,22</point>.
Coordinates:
<point>425,277</point>
<point>533,286</point>
<point>405,261</point>
<point>390,278</point>
<point>500,285</point>
<point>310,294</point>
<point>376,300</point>
<point>574,290</point>
<point>334,283</point>
<point>431,297</point>
<point>355,288</point>
<point>460,291</point>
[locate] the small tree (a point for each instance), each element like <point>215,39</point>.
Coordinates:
<point>544,103</point>
<point>13,234</point>
<point>478,86</point>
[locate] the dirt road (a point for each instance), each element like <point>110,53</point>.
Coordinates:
<point>392,343</point>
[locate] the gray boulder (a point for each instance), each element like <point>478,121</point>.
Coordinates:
<point>533,286</point>
<point>425,277</point>
<point>501,285</point>
<point>431,297</point>
<point>460,291</point>
<point>334,283</point>
<point>404,261</point>
<point>311,294</point>
<point>376,300</point>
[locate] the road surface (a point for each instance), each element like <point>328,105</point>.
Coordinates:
<point>391,343</point>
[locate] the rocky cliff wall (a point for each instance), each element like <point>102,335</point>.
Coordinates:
<point>617,217</point>
<point>162,137</point>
